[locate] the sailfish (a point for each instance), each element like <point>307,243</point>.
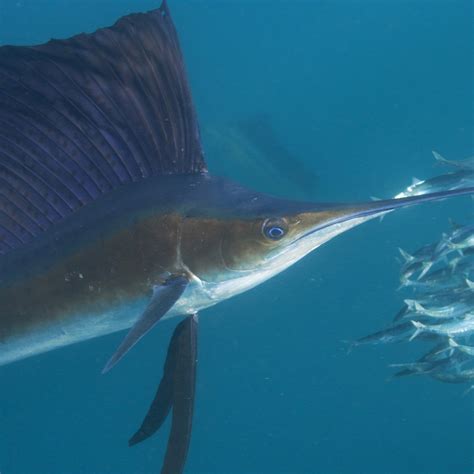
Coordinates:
<point>109,218</point>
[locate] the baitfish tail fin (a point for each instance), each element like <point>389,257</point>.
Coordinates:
<point>83,116</point>
<point>164,297</point>
<point>452,343</point>
<point>425,268</point>
<point>440,158</point>
<point>406,256</point>
<point>414,306</point>
<point>419,328</point>
<point>176,391</point>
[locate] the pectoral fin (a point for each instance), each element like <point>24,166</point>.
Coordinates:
<point>176,390</point>
<point>164,297</point>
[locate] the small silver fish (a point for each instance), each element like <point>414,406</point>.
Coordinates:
<point>456,180</point>
<point>458,308</point>
<point>463,327</point>
<point>461,347</point>
<point>461,239</point>
<point>416,264</point>
<point>463,376</point>
<point>398,333</point>
<point>466,164</point>
<point>443,278</point>
<point>442,298</point>
<point>440,357</point>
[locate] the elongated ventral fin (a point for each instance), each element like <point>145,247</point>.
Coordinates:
<point>164,297</point>
<point>184,393</point>
<point>176,390</point>
<point>163,401</point>
<point>82,116</point>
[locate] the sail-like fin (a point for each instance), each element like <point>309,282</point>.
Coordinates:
<point>184,388</point>
<point>82,116</point>
<point>164,297</point>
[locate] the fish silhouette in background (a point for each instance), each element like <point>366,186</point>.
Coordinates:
<point>256,156</point>
<point>109,219</point>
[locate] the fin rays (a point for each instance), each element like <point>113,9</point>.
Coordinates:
<point>164,297</point>
<point>83,116</point>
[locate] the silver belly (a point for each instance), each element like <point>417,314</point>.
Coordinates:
<point>197,296</point>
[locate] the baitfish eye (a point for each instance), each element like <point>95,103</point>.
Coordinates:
<point>274,229</point>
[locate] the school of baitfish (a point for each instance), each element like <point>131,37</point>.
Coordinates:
<point>440,280</point>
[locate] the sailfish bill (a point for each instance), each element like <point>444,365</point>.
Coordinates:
<point>109,219</point>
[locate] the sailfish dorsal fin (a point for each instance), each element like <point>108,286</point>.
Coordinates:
<point>82,116</point>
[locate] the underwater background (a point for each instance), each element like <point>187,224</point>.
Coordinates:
<point>358,93</point>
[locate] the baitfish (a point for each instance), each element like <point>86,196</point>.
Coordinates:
<point>461,347</point>
<point>463,376</point>
<point>441,359</point>
<point>110,219</point>
<point>466,164</point>
<point>452,329</point>
<point>402,332</point>
<point>443,279</point>
<point>456,180</point>
<point>413,309</point>
<point>419,263</point>
<point>459,306</point>
<point>460,239</point>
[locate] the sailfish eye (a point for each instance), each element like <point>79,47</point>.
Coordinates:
<point>274,229</point>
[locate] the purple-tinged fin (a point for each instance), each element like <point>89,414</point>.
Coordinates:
<point>82,116</point>
<point>176,390</point>
<point>164,297</point>
<point>184,392</point>
<point>163,401</point>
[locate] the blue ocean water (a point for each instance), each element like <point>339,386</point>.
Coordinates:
<point>362,91</point>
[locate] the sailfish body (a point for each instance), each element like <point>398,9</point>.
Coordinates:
<point>92,273</point>
<point>109,219</point>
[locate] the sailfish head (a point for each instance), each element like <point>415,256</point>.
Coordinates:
<point>234,248</point>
